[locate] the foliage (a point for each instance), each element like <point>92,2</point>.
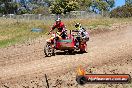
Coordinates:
<point>55,8</point>
<point>63,6</point>
<point>128,2</point>
<point>71,6</point>
<point>84,4</point>
<point>41,10</point>
<point>98,6</point>
<point>23,11</point>
<point>124,11</point>
<point>111,3</point>
<point>102,5</point>
<point>7,7</point>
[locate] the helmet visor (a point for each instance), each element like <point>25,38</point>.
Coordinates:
<point>76,25</point>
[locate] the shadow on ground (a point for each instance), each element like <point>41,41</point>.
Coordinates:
<point>69,53</point>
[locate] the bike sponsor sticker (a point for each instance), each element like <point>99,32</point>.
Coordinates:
<point>68,41</point>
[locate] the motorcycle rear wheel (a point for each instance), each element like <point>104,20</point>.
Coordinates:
<point>83,48</point>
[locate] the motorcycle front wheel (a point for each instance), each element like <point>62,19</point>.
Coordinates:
<point>49,50</point>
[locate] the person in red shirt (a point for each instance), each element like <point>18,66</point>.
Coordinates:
<point>61,28</point>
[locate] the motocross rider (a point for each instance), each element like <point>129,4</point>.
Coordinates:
<point>83,33</point>
<point>61,29</point>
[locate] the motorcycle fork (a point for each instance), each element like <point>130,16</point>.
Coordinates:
<point>55,41</point>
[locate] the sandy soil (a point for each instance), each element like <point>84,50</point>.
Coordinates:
<point>24,66</point>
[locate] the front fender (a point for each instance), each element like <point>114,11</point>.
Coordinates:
<point>48,40</point>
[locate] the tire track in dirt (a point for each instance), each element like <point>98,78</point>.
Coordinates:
<point>101,48</point>
<point>21,58</point>
<point>22,53</point>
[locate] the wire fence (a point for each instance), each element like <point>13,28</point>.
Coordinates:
<point>73,14</point>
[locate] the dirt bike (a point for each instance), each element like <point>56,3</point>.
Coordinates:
<point>63,44</point>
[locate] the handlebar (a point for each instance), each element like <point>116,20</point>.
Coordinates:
<point>49,33</point>
<point>75,31</point>
<point>53,33</point>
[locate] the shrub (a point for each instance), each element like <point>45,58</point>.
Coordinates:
<point>122,12</point>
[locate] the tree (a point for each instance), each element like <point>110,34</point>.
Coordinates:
<point>55,8</point>
<point>63,6</point>
<point>41,10</point>
<point>84,4</point>
<point>128,2</point>
<point>71,6</point>
<point>111,3</point>
<point>8,7</point>
<point>48,2</point>
<point>22,11</point>
<point>122,12</point>
<point>23,2</point>
<point>101,6</point>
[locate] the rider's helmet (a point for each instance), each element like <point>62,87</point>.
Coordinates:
<point>77,25</point>
<point>58,20</point>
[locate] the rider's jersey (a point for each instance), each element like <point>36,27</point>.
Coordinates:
<point>83,33</point>
<point>60,27</point>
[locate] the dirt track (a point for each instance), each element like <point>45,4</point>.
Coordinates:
<point>25,62</point>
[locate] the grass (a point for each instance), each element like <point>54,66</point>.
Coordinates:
<point>12,31</point>
<point>17,31</point>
